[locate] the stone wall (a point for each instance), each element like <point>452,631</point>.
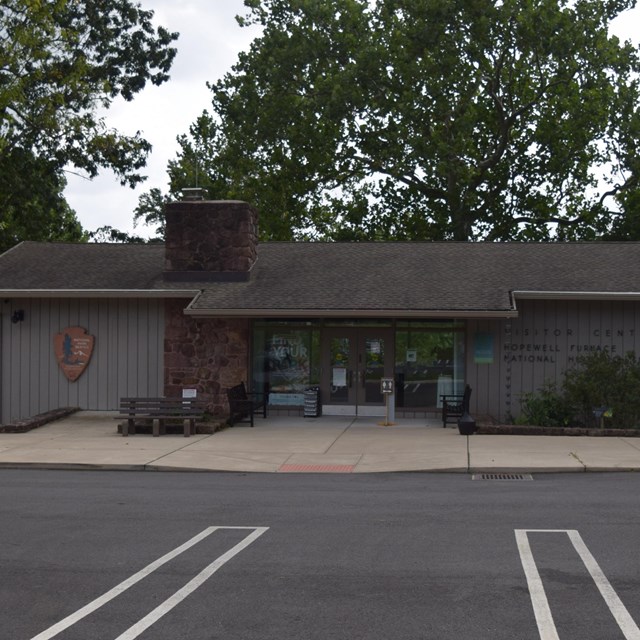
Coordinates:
<point>210,236</point>
<point>208,354</point>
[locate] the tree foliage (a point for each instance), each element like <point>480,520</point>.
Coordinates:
<point>466,119</point>
<point>62,63</point>
<point>32,202</point>
<point>150,210</point>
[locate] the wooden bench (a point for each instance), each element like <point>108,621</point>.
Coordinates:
<point>454,406</point>
<point>160,411</point>
<point>243,405</point>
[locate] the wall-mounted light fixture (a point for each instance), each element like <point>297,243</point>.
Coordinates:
<point>18,316</point>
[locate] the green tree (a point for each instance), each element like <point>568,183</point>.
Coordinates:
<point>466,119</point>
<point>32,202</point>
<point>150,210</point>
<point>62,63</point>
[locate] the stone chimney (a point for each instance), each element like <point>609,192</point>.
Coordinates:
<point>209,240</point>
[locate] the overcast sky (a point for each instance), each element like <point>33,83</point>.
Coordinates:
<point>209,43</point>
<point>210,40</point>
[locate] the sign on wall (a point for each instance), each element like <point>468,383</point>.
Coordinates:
<point>73,347</point>
<point>386,385</point>
<point>483,348</point>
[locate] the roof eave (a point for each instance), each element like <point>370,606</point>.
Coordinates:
<point>576,295</point>
<point>99,293</point>
<point>349,313</point>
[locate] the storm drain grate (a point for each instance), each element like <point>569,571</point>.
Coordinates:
<point>502,476</point>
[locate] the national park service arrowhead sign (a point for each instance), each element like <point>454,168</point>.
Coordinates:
<point>73,347</point>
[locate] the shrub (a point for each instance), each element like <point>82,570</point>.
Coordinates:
<point>546,408</point>
<point>603,380</point>
<point>599,380</point>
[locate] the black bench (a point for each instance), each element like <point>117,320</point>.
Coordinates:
<point>454,406</point>
<point>160,411</point>
<point>243,405</point>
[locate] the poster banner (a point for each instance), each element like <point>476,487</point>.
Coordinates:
<point>483,348</point>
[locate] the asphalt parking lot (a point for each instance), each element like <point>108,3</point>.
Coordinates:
<point>124,555</point>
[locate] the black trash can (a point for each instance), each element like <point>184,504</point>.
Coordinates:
<point>466,425</point>
<point>312,408</point>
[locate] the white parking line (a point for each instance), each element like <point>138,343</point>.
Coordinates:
<point>628,627</point>
<point>541,610</point>
<point>192,585</point>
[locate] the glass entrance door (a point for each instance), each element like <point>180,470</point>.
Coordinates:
<point>354,362</point>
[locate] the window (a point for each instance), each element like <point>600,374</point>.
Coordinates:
<point>285,361</point>
<point>429,362</point>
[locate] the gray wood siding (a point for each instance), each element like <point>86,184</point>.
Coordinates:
<point>487,395</point>
<point>127,357</point>
<point>541,344</point>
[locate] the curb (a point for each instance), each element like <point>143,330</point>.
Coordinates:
<point>63,466</point>
<point>72,466</point>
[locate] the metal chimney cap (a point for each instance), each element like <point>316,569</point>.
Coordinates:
<point>193,193</point>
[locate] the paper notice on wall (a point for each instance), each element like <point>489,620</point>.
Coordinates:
<point>339,377</point>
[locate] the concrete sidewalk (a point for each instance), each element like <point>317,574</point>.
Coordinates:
<point>326,444</point>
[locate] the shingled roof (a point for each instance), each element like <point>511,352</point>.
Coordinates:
<point>340,278</point>
<point>80,266</point>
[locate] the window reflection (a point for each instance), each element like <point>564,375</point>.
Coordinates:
<point>340,363</point>
<point>285,362</point>
<point>428,364</point>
